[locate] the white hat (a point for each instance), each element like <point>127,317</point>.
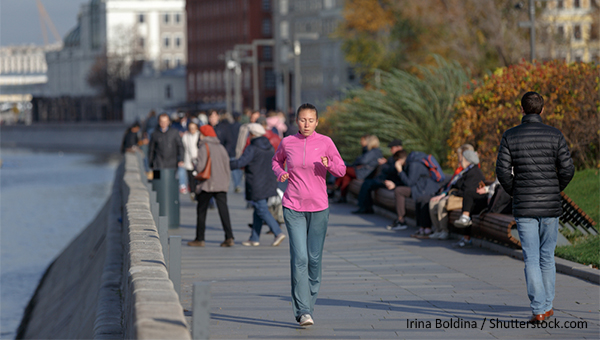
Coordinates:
<point>256,129</point>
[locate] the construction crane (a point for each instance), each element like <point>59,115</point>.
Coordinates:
<point>45,18</point>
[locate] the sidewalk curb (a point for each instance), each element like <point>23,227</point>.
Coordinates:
<point>562,266</point>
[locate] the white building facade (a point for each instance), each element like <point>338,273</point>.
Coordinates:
<point>150,30</point>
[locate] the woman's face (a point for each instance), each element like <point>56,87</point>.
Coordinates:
<point>193,128</point>
<point>307,122</point>
<point>464,162</point>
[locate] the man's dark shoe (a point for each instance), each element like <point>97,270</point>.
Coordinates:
<point>537,318</point>
<point>228,243</point>
<point>363,211</point>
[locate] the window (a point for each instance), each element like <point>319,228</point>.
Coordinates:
<point>594,32</point>
<point>576,4</point>
<point>141,18</point>
<point>177,18</point>
<point>266,27</point>
<point>191,82</point>
<point>141,42</point>
<point>577,32</point>
<point>266,5</point>
<point>177,41</point>
<point>167,41</point>
<point>166,63</point>
<point>270,80</point>
<point>560,4</point>
<point>178,62</point>
<point>168,91</point>
<point>166,18</point>
<point>284,30</point>
<point>283,7</point>
<point>267,53</point>
<point>561,32</point>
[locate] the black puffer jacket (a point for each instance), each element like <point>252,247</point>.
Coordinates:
<point>542,166</point>
<point>261,182</point>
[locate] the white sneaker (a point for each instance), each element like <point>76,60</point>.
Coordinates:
<point>443,235</point>
<point>434,235</point>
<point>278,240</point>
<point>464,221</point>
<point>306,320</point>
<point>250,243</point>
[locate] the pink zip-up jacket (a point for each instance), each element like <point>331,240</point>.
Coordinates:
<point>306,190</point>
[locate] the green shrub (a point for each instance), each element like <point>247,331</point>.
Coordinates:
<point>416,108</point>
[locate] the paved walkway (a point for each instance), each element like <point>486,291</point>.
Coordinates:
<point>377,284</point>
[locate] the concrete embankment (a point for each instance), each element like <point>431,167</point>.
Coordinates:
<point>82,137</point>
<point>111,282</point>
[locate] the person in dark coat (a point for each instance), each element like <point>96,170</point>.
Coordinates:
<point>166,148</point>
<point>466,184</point>
<point>223,129</point>
<point>417,184</point>
<point>387,172</point>
<point>534,165</point>
<point>362,167</point>
<point>261,183</point>
<point>130,140</point>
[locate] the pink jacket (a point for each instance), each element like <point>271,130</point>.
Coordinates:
<point>306,189</point>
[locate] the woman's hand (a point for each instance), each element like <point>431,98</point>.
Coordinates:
<point>389,185</point>
<point>399,163</point>
<point>437,198</point>
<point>325,161</point>
<point>284,177</point>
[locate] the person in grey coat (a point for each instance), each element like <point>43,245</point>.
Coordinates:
<point>261,183</point>
<point>166,148</point>
<point>216,186</point>
<point>534,165</point>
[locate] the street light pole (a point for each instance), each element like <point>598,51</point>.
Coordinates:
<point>229,64</point>
<point>297,52</point>
<point>531,25</point>
<point>255,44</point>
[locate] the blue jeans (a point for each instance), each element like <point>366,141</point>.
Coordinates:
<point>236,176</point>
<point>262,213</point>
<point>307,236</point>
<point>182,176</point>
<point>538,239</point>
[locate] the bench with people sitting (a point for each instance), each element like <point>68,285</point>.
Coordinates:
<point>464,204</point>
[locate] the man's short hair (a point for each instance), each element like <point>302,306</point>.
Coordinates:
<point>402,154</point>
<point>532,102</point>
<point>164,114</point>
<point>307,106</point>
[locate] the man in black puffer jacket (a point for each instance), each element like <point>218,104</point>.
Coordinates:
<point>534,165</point>
<point>166,148</point>
<point>261,183</point>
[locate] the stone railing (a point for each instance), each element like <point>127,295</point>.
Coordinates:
<point>150,303</point>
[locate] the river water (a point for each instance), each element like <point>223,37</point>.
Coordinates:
<point>46,200</point>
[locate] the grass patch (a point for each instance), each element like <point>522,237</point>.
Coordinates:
<point>584,190</point>
<point>584,250</point>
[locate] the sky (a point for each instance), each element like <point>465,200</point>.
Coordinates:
<point>20,20</point>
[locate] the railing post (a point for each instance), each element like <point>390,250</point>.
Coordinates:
<point>163,236</point>
<point>175,262</point>
<point>201,310</point>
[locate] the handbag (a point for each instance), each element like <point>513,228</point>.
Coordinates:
<point>205,174</point>
<point>454,202</point>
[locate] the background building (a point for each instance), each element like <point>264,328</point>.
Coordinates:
<point>572,30</point>
<point>214,28</point>
<point>129,29</point>
<point>324,72</point>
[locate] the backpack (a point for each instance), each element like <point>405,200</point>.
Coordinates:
<point>435,170</point>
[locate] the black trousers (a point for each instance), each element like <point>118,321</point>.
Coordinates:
<point>203,199</point>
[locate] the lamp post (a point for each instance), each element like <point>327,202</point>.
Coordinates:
<point>297,53</point>
<point>531,25</point>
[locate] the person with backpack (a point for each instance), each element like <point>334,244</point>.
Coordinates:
<point>418,184</point>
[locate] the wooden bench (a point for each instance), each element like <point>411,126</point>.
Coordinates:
<point>496,227</point>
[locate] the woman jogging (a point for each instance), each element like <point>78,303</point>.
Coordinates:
<point>308,156</point>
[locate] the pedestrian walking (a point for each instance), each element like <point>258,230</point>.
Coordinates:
<point>190,145</point>
<point>308,156</point>
<point>261,183</point>
<point>534,165</point>
<point>166,148</point>
<point>216,186</point>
